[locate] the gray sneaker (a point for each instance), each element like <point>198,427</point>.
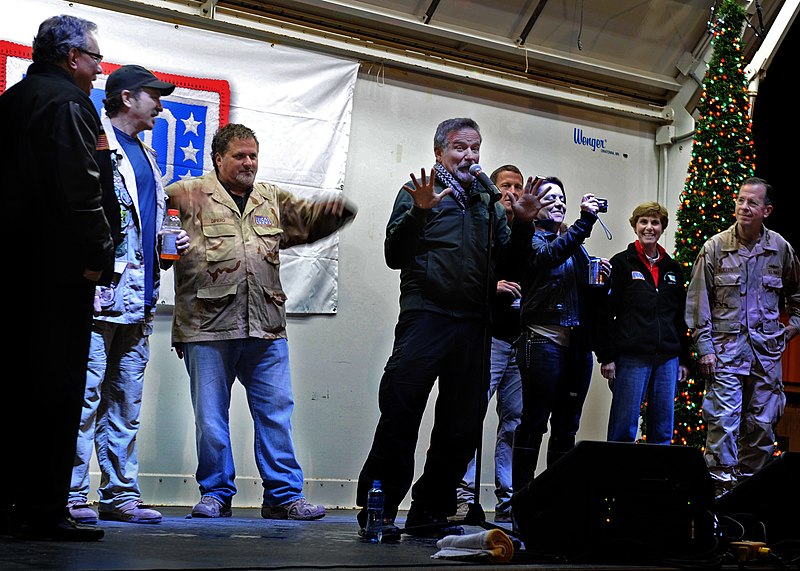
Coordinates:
<point>298,509</point>
<point>80,511</point>
<point>133,511</point>
<point>209,506</point>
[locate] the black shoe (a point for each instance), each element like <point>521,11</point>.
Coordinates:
<point>422,523</point>
<point>5,520</point>
<point>389,531</point>
<point>67,529</point>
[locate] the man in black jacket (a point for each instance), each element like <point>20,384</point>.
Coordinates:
<point>438,237</point>
<point>51,187</point>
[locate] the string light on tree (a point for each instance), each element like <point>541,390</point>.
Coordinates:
<point>723,156</point>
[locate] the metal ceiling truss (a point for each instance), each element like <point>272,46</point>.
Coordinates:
<point>267,23</point>
<point>380,36</point>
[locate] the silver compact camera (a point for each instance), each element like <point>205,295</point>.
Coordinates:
<point>602,205</point>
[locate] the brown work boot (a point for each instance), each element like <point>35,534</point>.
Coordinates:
<point>133,511</point>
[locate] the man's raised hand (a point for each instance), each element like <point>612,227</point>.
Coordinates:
<point>527,206</point>
<point>423,191</point>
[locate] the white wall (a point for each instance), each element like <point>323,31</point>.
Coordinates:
<point>337,360</point>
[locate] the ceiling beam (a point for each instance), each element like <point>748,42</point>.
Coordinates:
<point>769,46</point>
<point>263,28</point>
<point>520,41</point>
<point>429,12</point>
<point>369,22</point>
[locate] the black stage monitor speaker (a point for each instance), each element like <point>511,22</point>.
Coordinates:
<point>765,506</point>
<point>619,501</point>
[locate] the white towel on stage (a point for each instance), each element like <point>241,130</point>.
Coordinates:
<point>492,545</point>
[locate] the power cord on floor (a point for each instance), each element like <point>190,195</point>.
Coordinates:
<point>746,543</point>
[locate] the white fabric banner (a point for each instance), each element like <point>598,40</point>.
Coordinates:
<point>298,102</point>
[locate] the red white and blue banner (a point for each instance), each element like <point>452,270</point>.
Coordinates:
<point>298,102</point>
<point>183,131</point>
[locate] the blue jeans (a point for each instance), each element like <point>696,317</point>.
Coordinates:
<point>262,366</point>
<point>555,382</point>
<point>506,382</point>
<point>639,378</point>
<point>118,354</point>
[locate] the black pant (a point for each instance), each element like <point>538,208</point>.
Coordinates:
<point>40,420</point>
<point>427,345</point>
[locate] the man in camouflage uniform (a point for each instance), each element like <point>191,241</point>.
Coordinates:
<point>733,310</point>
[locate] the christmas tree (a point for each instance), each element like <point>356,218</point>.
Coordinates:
<point>723,156</point>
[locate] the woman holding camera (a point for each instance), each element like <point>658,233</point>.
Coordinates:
<point>554,349</point>
<point>642,337</point>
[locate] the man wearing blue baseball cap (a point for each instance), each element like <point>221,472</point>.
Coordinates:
<point>124,310</point>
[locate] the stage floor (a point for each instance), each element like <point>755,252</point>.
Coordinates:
<point>246,541</point>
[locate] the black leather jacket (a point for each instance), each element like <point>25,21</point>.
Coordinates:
<point>49,167</point>
<point>549,297</point>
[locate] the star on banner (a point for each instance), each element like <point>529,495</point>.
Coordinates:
<point>190,153</point>
<point>190,125</point>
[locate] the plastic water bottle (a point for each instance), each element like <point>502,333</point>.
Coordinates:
<point>169,234</point>
<point>373,531</point>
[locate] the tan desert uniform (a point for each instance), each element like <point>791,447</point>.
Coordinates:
<point>228,284</point>
<point>732,306</point>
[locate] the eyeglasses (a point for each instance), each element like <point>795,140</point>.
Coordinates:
<point>96,57</point>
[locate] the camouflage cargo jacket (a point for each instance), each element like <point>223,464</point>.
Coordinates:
<point>228,286</point>
<point>733,307</point>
